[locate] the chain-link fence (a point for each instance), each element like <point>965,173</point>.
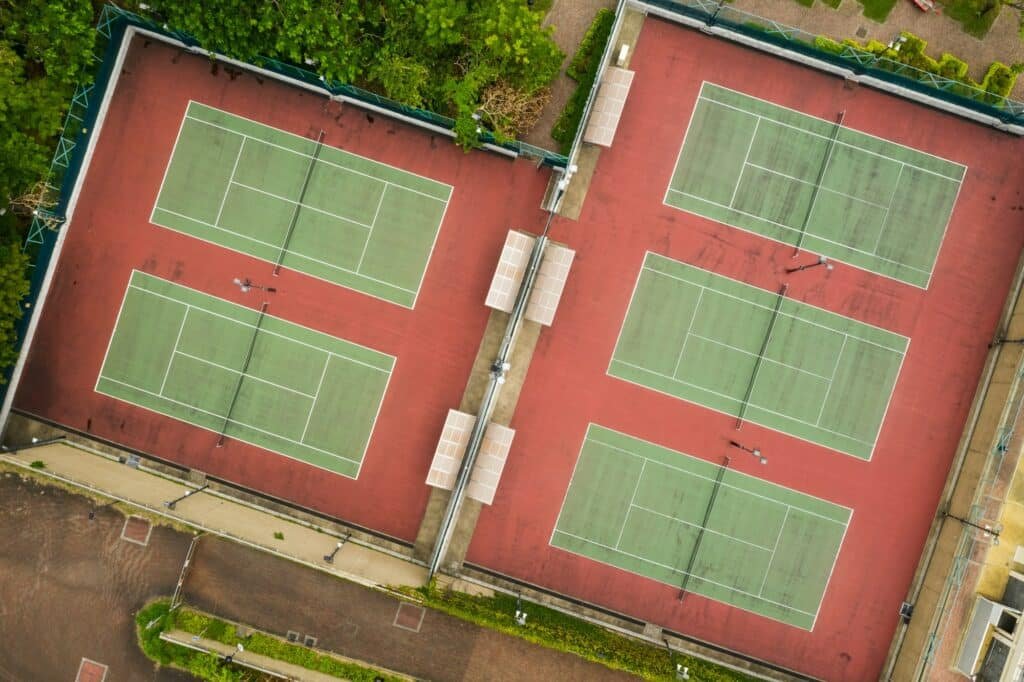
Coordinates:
<point>860,62</point>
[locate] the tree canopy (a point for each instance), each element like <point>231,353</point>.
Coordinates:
<point>442,55</point>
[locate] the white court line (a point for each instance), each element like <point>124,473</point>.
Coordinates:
<point>643,467</point>
<point>316,397</point>
<point>818,118</point>
<point>227,188</point>
<point>757,125</point>
<point>838,141</point>
<point>892,198</point>
<point>700,295</point>
<point>681,572</point>
<point>793,229</point>
<point>835,560</point>
<point>244,374</point>
<point>711,479</point>
<point>290,251</point>
<point>835,369</point>
<point>293,202</point>
<point>778,537</point>
<point>218,416</point>
<point>174,349</point>
<point>735,399</point>
<point>167,168</point>
<point>330,163</point>
<point>369,236</point>
<point>765,358</point>
<point>264,330</point>
<point>697,525</point>
<point>317,332</point>
<point>785,314</point>
<point>306,139</point>
<point>820,188</point>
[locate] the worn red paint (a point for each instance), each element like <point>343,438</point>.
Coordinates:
<point>435,343</point>
<point>894,496</point>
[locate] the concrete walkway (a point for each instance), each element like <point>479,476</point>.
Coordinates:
<point>213,513</point>
<point>265,664</point>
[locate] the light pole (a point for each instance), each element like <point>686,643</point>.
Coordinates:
<point>329,558</point>
<point>755,452</point>
<point>989,531</point>
<point>171,504</point>
<point>247,285</point>
<point>800,268</point>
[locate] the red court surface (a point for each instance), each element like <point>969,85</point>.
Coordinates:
<point>894,496</point>
<point>435,343</point>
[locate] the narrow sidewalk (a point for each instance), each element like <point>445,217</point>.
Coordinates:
<point>264,664</point>
<point>214,513</point>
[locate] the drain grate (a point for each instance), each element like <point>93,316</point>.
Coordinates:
<point>292,636</point>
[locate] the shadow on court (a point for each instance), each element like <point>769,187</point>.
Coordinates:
<point>70,586</point>
<point>278,596</point>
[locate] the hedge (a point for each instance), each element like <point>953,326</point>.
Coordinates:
<point>562,632</point>
<point>582,69</point>
<point>999,79</point>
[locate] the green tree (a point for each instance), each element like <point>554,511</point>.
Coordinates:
<point>13,288</point>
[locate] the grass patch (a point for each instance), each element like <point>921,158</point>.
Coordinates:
<point>38,464</point>
<point>583,69</point>
<point>877,10</point>
<point>278,535</point>
<point>562,632</point>
<point>204,625</point>
<point>975,16</point>
<point>156,618</point>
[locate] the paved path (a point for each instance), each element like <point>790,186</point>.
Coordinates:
<point>247,658</point>
<point>238,572</point>
<point>942,33</point>
<point>571,19</point>
<point>220,516</point>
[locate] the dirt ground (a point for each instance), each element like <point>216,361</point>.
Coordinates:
<point>70,586</point>
<point>278,596</point>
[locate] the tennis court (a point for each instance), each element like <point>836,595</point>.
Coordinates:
<point>701,527</point>
<point>810,182</point>
<point>244,374</point>
<point>301,204</point>
<point>758,356</point>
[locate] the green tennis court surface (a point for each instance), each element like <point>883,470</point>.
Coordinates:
<point>361,224</point>
<point>696,335</point>
<point>641,508</point>
<point>297,392</point>
<point>771,170</point>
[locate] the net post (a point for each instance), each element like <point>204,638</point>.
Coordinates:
<point>760,355</point>
<point>817,184</point>
<point>241,374</point>
<point>298,204</point>
<point>703,527</point>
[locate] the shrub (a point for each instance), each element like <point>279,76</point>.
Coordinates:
<point>563,632</point>
<point>38,464</point>
<point>592,45</point>
<point>583,69</point>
